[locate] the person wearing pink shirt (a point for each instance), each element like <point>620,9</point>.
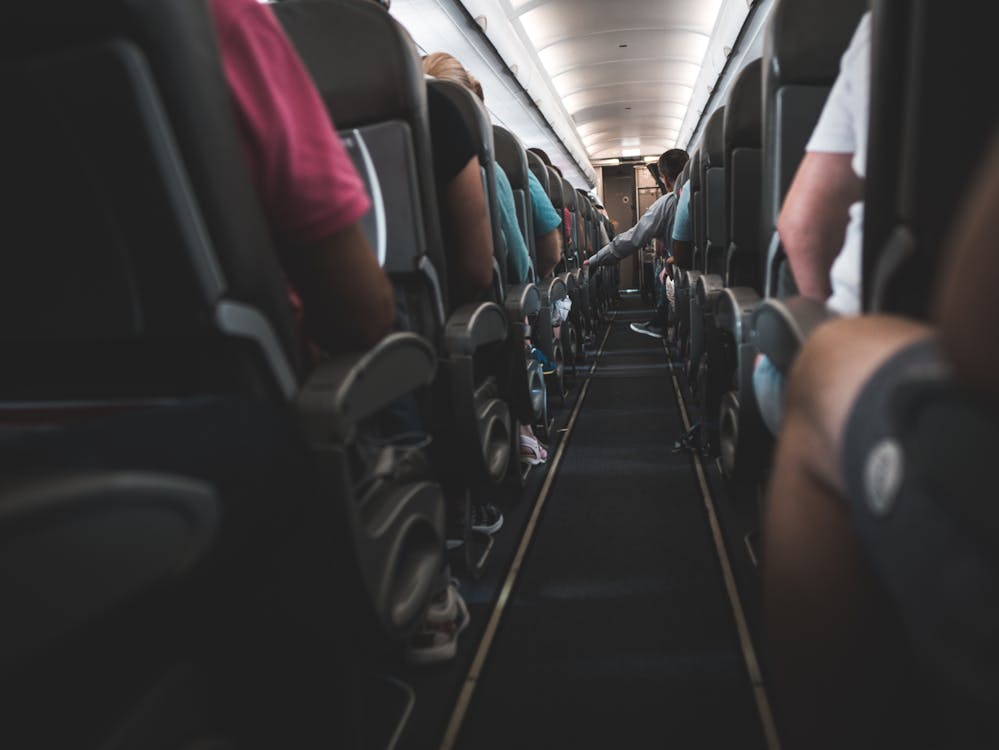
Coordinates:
<point>311,194</point>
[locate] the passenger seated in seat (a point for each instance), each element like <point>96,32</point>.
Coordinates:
<point>313,199</point>
<point>882,527</point>
<point>821,224</point>
<point>547,237</point>
<point>310,192</point>
<point>656,223</point>
<point>468,241</point>
<point>447,67</point>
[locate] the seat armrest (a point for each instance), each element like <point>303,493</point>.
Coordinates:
<point>708,286</point>
<point>734,311</point>
<point>343,391</point>
<point>75,548</point>
<point>522,300</point>
<point>780,327</point>
<point>569,279</point>
<point>556,289</point>
<point>472,326</point>
<point>686,278</point>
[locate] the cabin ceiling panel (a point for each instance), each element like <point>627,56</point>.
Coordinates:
<point>612,149</point>
<point>639,111</point>
<point>626,71</point>
<point>628,95</point>
<point>615,73</point>
<point>642,47</point>
<point>554,20</point>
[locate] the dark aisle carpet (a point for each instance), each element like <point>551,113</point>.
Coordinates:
<point>619,634</point>
<point>436,687</point>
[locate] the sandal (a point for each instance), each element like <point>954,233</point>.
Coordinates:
<point>531,451</point>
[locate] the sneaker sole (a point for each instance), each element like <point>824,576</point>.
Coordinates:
<point>490,529</point>
<point>647,332</point>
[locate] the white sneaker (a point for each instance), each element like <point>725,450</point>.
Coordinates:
<point>437,638</point>
<point>649,329</point>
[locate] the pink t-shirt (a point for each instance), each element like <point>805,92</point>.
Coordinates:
<point>306,182</point>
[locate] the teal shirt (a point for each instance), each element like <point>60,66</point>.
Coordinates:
<point>518,258</point>
<point>681,224</point>
<point>545,217</point>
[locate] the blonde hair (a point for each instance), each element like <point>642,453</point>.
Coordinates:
<point>445,66</point>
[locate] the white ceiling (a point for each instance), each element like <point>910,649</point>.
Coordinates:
<point>625,70</point>
<point>588,80</point>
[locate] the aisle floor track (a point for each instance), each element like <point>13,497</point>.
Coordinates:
<point>614,628</point>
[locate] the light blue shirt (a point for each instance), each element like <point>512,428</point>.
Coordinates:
<point>681,223</point>
<point>545,217</point>
<point>518,258</point>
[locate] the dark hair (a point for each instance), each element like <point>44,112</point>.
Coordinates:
<point>671,163</point>
<point>543,156</point>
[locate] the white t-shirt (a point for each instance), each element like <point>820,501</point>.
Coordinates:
<point>842,129</point>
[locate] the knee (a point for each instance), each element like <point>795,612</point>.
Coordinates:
<point>836,361</point>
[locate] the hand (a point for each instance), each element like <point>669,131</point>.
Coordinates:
<point>662,276</point>
<point>586,262</point>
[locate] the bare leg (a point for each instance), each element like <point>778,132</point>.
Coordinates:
<point>829,654</point>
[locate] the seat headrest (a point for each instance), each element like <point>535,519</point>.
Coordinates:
<point>472,112</point>
<point>806,39</point>
<point>744,113</point>
<point>695,171</point>
<point>362,60</point>
<point>555,188</point>
<point>685,174</point>
<point>714,140</point>
<point>511,156</point>
<point>569,195</point>
<point>176,40</point>
<point>583,203</point>
<point>539,169</point>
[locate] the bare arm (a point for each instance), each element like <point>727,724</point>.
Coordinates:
<point>549,247</point>
<point>348,300</point>
<point>471,233</point>
<point>965,308</point>
<point>812,222</point>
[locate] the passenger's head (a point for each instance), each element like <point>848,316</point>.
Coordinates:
<point>671,163</point>
<point>446,67</point>
<point>541,154</point>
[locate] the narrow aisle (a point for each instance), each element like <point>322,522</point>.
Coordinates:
<point>618,632</point>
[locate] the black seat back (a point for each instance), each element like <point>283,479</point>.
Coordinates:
<point>743,141</point>
<point>572,233</point>
<point>540,170</point>
<point>928,139</point>
<point>684,175</point>
<point>144,262</point>
<point>696,211</point>
<point>512,157</point>
<point>715,196</point>
<point>584,212</point>
<point>804,42</point>
<point>476,120</point>
<point>88,570</point>
<point>381,110</point>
